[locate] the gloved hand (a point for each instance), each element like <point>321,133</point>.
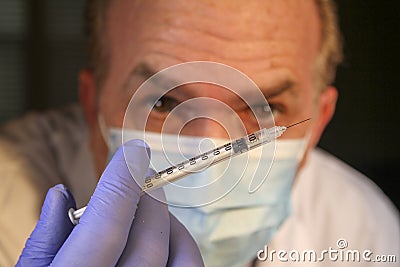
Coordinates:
<point>118,227</point>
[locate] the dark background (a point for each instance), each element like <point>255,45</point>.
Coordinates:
<point>42,49</point>
<point>365,129</point>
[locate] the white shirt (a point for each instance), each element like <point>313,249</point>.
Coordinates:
<point>331,201</point>
<point>334,203</point>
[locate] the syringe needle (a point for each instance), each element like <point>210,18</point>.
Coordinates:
<point>298,123</point>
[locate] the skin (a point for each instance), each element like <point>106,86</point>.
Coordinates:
<point>274,42</point>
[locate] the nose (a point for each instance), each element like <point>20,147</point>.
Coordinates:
<point>205,127</point>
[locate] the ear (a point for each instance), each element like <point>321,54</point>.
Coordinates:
<point>87,96</point>
<point>326,109</point>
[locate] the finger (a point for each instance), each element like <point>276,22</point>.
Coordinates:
<point>149,237</point>
<point>102,232</point>
<point>51,230</point>
<point>183,250</point>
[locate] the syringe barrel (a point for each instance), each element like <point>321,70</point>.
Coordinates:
<point>188,167</point>
<point>203,161</point>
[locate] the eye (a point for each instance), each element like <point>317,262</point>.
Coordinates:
<point>276,109</point>
<point>263,110</point>
<point>165,104</point>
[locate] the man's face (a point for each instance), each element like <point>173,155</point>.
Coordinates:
<point>274,42</point>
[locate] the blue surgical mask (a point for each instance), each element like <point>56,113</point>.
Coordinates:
<point>229,230</point>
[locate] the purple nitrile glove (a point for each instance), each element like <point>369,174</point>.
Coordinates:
<point>52,229</point>
<point>183,250</point>
<point>118,227</point>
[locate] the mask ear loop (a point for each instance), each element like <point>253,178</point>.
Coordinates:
<point>306,140</point>
<point>103,129</point>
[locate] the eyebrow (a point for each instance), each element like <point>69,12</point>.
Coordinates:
<point>278,89</point>
<point>146,71</point>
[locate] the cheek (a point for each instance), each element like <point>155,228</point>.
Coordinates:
<point>303,107</point>
<point>112,106</point>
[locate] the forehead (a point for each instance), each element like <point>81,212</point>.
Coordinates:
<point>244,34</point>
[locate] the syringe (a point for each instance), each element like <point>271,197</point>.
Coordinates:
<point>203,161</point>
<point>212,157</point>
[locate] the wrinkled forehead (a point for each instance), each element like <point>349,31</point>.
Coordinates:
<point>237,20</point>
<point>242,13</point>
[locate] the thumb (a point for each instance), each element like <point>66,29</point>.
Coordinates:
<point>101,235</point>
<point>52,229</point>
